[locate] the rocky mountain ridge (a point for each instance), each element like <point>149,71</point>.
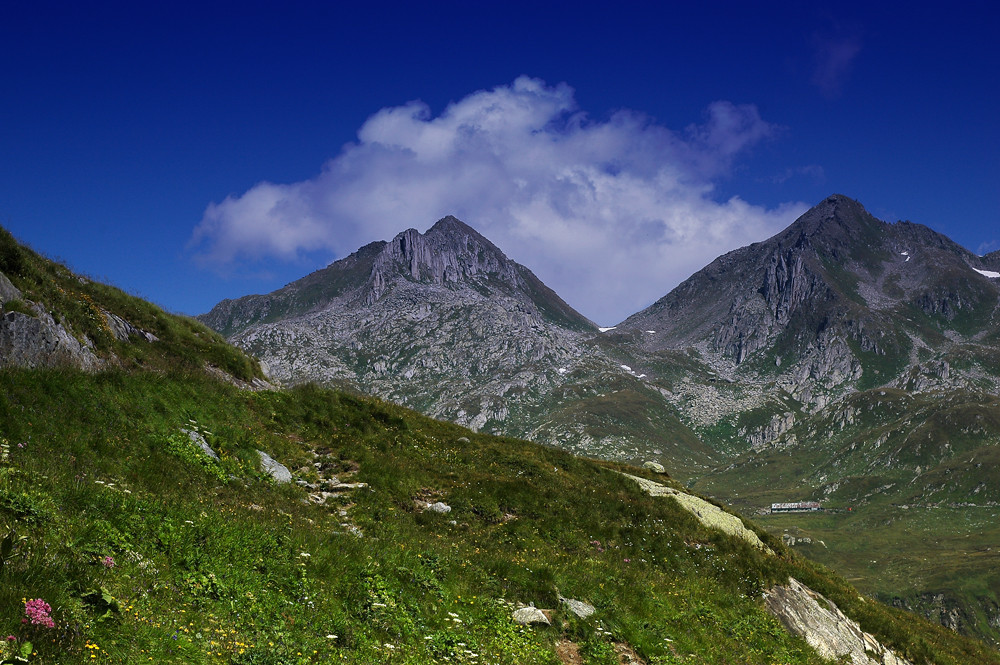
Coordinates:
<point>442,321</point>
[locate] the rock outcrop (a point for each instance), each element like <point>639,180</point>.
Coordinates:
<point>275,469</point>
<point>709,514</point>
<point>37,340</point>
<point>821,623</point>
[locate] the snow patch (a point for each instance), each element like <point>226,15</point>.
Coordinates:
<point>988,273</point>
<point>651,331</point>
<point>561,370</point>
<point>906,254</point>
<point>607,329</point>
<point>626,368</point>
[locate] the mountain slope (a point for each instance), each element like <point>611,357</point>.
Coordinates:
<point>838,300</point>
<point>858,364</point>
<point>733,377</point>
<point>445,323</point>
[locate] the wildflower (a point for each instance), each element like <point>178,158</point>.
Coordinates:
<point>11,638</point>
<point>38,612</point>
<point>108,562</point>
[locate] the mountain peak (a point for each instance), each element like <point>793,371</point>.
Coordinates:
<point>450,224</point>
<point>449,252</point>
<point>836,217</point>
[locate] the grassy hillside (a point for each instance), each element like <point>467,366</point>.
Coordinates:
<point>82,306</point>
<point>147,552</point>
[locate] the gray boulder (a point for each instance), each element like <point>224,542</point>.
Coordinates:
<point>7,290</point>
<point>123,330</point>
<point>278,471</point>
<point>527,616</point>
<point>578,607</point>
<point>655,467</point>
<point>439,507</point>
<point>199,440</point>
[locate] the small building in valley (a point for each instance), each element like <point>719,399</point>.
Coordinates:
<point>796,507</point>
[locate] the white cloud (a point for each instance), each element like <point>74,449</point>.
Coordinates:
<point>611,214</point>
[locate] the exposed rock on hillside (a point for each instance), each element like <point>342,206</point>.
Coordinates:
<point>818,620</point>
<point>30,337</point>
<point>708,514</point>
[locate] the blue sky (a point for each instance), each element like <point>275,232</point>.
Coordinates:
<point>193,152</point>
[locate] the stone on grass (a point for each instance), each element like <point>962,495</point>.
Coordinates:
<point>578,607</point>
<point>278,471</point>
<point>655,467</point>
<point>199,440</point>
<point>527,616</point>
<point>439,507</point>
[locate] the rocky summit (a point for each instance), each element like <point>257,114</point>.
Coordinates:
<point>442,321</point>
<point>837,300</point>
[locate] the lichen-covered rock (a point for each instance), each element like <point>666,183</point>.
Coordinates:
<point>578,607</point>
<point>709,514</point>
<point>655,467</point>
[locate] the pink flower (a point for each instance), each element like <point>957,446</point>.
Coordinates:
<point>38,613</point>
<point>11,638</point>
<point>108,562</point>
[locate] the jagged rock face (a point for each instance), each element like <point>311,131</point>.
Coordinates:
<point>38,341</point>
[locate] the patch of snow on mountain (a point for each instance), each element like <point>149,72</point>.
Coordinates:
<point>607,329</point>
<point>906,254</point>
<point>626,368</point>
<point>988,273</point>
<point>651,331</point>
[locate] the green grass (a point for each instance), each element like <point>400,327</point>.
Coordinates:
<point>236,569</point>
